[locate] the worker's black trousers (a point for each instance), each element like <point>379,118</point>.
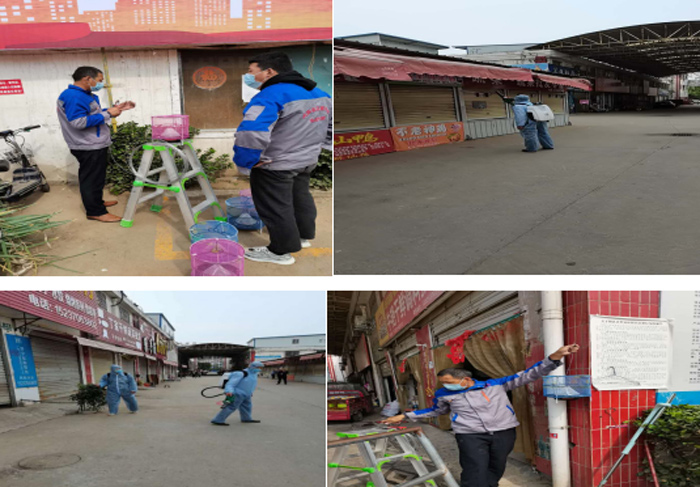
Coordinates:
<point>284,202</point>
<point>92,175</point>
<point>483,457</point>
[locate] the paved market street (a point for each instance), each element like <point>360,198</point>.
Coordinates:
<point>618,195</point>
<point>171,443</point>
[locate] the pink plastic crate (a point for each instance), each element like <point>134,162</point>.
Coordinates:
<point>216,257</point>
<point>170,127</point>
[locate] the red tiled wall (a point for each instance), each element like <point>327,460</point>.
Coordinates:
<point>597,426</point>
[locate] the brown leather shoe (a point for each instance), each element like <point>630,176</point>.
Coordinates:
<point>106,218</point>
<point>111,203</point>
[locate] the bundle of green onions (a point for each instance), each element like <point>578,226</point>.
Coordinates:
<point>17,244</point>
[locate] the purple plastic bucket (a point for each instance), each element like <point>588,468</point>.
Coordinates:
<point>216,257</point>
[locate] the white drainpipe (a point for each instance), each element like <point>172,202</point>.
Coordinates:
<point>553,326</point>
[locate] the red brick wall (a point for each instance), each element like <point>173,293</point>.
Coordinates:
<point>597,426</point>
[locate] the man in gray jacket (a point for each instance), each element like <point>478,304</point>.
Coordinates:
<point>85,127</point>
<point>483,419</point>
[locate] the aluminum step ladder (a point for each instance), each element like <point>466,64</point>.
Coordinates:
<point>171,180</point>
<point>379,447</point>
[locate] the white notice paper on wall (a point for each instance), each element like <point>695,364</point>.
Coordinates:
<point>684,308</point>
<point>630,353</point>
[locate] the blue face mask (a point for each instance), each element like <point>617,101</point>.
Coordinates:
<point>454,387</point>
<point>97,87</point>
<point>249,79</point>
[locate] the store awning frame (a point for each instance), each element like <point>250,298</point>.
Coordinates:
<point>359,63</point>
<point>86,342</point>
<point>168,362</point>
<point>314,356</point>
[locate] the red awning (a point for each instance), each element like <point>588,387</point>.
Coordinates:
<point>314,356</point>
<point>581,84</point>
<point>395,67</point>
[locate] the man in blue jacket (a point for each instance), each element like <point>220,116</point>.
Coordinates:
<point>483,419</point>
<point>278,143</point>
<point>534,133</point>
<point>240,387</point>
<point>85,127</point>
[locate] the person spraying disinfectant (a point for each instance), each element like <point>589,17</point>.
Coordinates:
<point>531,120</point>
<point>119,385</point>
<point>239,393</point>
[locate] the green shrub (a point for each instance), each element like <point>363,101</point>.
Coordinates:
<point>675,442</point>
<point>322,177</point>
<point>131,135</point>
<point>90,397</point>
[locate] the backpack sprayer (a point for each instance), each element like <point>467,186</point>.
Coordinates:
<point>227,401</point>
<point>538,112</point>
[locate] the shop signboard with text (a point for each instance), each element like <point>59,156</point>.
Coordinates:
<point>409,137</point>
<point>398,309</point>
<point>22,360</point>
<point>362,144</point>
<point>76,309</point>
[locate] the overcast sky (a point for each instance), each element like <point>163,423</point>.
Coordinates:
<point>236,316</point>
<point>470,22</point>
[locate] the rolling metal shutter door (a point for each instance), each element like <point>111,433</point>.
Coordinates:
<point>415,104</point>
<point>101,363</point>
<point>533,94</point>
<point>4,385</point>
<point>357,106</point>
<point>142,368</point>
<point>555,101</point>
<point>501,311</point>
<point>128,366</point>
<point>495,107</point>
<point>407,346</point>
<point>57,367</point>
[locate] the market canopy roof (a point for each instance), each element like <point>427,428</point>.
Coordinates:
<point>359,63</point>
<point>238,353</point>
<point>662,49</point>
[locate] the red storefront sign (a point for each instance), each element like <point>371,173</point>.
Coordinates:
<point>362,144</point>
<point>427,364</point>
<point>77,310</point>
<point>398,309</point>
<point>427,135</point>
<point>11,87</point>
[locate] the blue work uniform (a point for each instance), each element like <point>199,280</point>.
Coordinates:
<point>119,385</point>
<point>241,386</point>
<point>534,133</point>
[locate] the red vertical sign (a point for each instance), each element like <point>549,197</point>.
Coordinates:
<point>426,363</point>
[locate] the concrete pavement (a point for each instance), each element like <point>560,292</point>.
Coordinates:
<point>518,474</point>
<point>171,443</point>
<point>617,196</point>
<point>158,243</point>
